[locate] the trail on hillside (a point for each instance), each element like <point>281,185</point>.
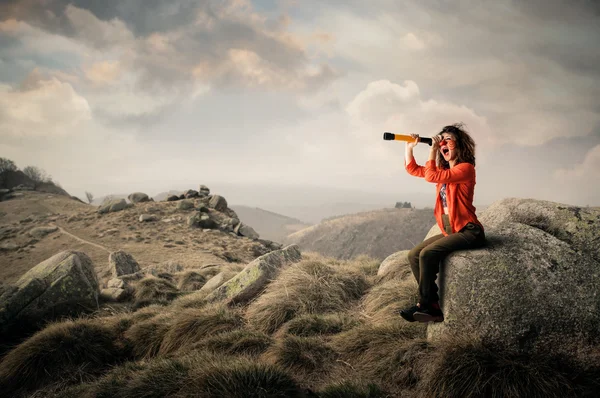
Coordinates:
<point>62,230</point>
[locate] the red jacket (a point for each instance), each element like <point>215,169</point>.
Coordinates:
<point>460,187</point>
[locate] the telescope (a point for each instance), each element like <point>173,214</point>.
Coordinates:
<point>402,137</point>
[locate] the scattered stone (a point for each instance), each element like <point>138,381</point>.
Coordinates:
<point>204,190</point>
<point>185,205</point>
<point>218,202</point>
<point>40,232</point>
<point>168,245</point>
<point>122,263</point>
<point>201,220</point>
<point>151,209</point>
<point>255,276</point>
<point>114,294</point>
<point>172,198</point>
<point>179,242</point>
<point>190,193</point>
<point>73,218</point>
<point>148,218</point>
<point>138,197</point>
<point>9,247</point>
<point>112,206</point>
<point>26,220</point>
<point>247,231</point>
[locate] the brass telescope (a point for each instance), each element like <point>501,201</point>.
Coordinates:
<point>402,137</point>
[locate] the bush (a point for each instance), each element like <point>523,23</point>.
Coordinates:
<point>308,287</point>
<point>192,325</point>
<point>314,324</point>
<point>72,349</point>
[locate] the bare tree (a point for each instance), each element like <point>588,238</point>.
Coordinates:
<point>89,196</point>
<point>37,175</point>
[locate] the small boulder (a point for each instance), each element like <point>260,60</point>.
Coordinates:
<point>9,247</point>
<point>218,202</point>
<point>213,283</point>
<point>204,191</point>
<point>112,206</point>
<point>117,283</point>
<point>190,193</point>
<point>255,276</point>
<point>138,197</point>
<point>114,294</point>
<point>185,205</point>
<point>172,198</point>
<point>147,218</point>
<point>201,220</point>
<point>122,263</point>
<point>40,232</point>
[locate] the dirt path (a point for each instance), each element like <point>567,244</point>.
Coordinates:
<point>87,242</point>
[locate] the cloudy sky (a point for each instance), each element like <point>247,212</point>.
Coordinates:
<point>122,96</point>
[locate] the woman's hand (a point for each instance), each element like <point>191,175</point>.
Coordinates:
<point>411,145</point>
<point>435,142</point>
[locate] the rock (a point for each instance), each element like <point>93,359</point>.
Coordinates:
<point>114,294</point>
<point>40,232</point>
<point>201,220</point>
<point>117,283</point>
<point>112,206</point>
<point>218,202</point>
<point>185,205</point>
<point>182,196</point>
<point>9,247</point>
<point>23,187</point>
<point>122,263</point>
<point>73,218</point>
<point>138,197</point>
<point>535,285</point>
<point>170,267</point>
<point>247,231</point>
<point>435,230</point>
<point>213,283</point>
<point>172,198</point>
<point>395,265</point>
<point>64,284</point>
<point>255,276</point>
<point>190,193</point>
<point>204,191</point>
<point>203,209</point>
<point>148,218</point>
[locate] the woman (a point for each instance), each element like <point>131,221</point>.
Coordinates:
<point>453,150</point>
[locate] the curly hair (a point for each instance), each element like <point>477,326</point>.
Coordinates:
<point>464,144</point>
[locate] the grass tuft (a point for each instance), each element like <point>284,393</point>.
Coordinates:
<point>315,324</point>
<point>246,342</point>
<point>153,290</point>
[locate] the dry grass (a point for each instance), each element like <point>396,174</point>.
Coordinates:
<point>153,290</point>
<point>470,368</point>
<point>384,302</point>
<point>71,349</point>
<point>304,355</point>
<point>147,336</point>
<point>308,287</point>
<point>236,342</point>
<point>193,325</point>
<point>315,324</point>
<point>190,281</point>
<point>352,389</point>
<point>191,300</point>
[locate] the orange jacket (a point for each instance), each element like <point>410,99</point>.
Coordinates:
<point>460,187</point>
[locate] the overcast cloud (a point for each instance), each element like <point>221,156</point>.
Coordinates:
<point>119,96</point>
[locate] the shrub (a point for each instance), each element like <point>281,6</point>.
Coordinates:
<point>75,349</point>
<point>315,324</point>
<point>308,287</point>
<point>192,325</point>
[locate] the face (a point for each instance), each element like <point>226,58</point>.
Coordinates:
<point>448,147</point>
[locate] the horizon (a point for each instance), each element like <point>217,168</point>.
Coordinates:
<point>241,95</point>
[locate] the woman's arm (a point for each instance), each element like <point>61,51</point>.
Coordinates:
<point>409,160</point>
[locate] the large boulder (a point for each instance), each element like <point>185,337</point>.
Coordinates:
<point>246,230</point>
<point>249,282</point>
<point>395,265</point>
<point>138,197</point>
<point>112,206</point>
<point>201,220</point>
<point>218,202</point>
<point>535,285</point>
<point>63,285</point>
<point>122,263</point>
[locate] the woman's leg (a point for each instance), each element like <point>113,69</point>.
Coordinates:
<point>470,237</point>
<point>413,255</point>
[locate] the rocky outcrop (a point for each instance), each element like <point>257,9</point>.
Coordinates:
<point>112,206</point>
<point>138,197</point>
<point>40,232</point>
<point>64,284</point>
<point>246,230</point>
<point>122,263</point>
<point>255,276</point>
<point>218,202</point>
<point>535,284</point>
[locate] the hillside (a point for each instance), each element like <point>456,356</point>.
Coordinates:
<point>376,233</point>
<point>269,225</point>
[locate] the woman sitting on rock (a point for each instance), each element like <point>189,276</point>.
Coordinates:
<point>453,150</point>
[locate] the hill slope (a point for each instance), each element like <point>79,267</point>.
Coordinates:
<point>376,233</point>
<point>269,225</point>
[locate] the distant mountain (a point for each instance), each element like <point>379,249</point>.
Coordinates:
<point>269,225</point>
<point>376,233</point>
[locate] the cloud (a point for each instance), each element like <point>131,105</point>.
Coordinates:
<point>587,171</point>
<point>104,72</point>
<point>41,108</point>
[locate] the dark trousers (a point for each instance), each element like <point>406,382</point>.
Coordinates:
<point>425,257</point>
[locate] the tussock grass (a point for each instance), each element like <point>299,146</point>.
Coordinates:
<point>352,389</point>
<point>72,349</point>
<point>308,287</point>
<point>315,324</point>
<point>384,302</point>
<point>191,300</point>
<point>246,342</point>
<point>388,354</point>
<point>190,281</point>
<point>193,325</point>
<point>306,355</point>
<point>471,368</point>
<point>153,290</point>
<point>146,336</point>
